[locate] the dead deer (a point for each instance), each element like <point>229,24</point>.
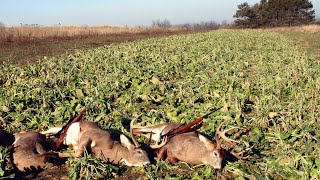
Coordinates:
<point>86,134</point>
<point>30,152</point>
<point>6,139</point>
<point>190,147</point>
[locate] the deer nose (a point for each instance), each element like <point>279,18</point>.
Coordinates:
<point>217,166</point>
<point>146,163</point>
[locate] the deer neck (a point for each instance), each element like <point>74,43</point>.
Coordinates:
<point>116,155</point>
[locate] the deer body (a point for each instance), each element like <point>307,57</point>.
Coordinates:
<point>89,135</point>
<point>189,147</point>
<point>6,139</point>
<point>192,148</point>
<point>30,152</point>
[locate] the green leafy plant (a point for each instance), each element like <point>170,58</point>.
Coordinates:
<point>88,167</point>
<point>4,171</point>
<point>266,83</point>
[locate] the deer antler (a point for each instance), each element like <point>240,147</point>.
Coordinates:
<point>221,135</point>
<point>131,131</point>
<point>153,146</point>
<point>163,142</point>
<point>240,155</point>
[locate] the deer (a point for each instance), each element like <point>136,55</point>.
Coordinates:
<point>6,139</point>
<point>30,152</point>
<point>190,147</point>
<point>89,135</point>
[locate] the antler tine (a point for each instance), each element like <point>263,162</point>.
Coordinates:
<point>156,146</point>
<point>240,155</point>
<point>222,135</point>
<point>216,137</point>
<point>131,130</point>
<point>133,120</point>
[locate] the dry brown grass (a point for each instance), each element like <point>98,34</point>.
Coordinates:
<point>11,34</point>
<point>27,44</point>
<point>314,28</point>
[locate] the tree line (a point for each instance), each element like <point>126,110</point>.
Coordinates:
<point>267,13</point>
<point>272,13</point>
<point>199,26</point>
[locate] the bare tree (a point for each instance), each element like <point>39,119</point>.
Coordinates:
<point>202,26</point>
<point>161,23</point>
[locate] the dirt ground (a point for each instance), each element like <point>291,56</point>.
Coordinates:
<point>27,50</point>
<point>54,173</point>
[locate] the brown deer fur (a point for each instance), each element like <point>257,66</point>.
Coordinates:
<point>89,135</point>
<point>189,147</point>
<point>30,152</point>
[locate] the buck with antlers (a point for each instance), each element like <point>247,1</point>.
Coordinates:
<point>86,134</point>
<point>189,146</point>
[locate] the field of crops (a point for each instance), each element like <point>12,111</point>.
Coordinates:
<point>267,84</point>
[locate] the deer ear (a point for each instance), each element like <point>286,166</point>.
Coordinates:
<point>126,142</point>
<point>209,145</point>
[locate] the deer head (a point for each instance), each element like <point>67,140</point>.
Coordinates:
<point>136,156</point>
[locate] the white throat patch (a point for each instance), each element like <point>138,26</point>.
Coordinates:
<point>72,136</point>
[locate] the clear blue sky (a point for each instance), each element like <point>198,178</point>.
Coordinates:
<point>119,12</point>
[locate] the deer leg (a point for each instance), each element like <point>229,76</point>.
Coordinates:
<point>49,157</point>
<point>79,152</point>
<point>40,149</point>
<point>172,159</point>
<point>51,131</point>
<point>162,154</point>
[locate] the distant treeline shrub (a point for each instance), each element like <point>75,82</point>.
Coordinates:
<point>199,26</point>
<point>275,13</point>
<point>161,23</point>
<point>202,26</point>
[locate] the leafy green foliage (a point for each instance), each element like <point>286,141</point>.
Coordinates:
<point>267,84</point>
<point>88,167</point>
<point>4,171</point>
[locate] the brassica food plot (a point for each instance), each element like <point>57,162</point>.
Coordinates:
<point>265,83</point>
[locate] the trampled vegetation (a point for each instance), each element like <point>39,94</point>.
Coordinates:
<point>267,84</point>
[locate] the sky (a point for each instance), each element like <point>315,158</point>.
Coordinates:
<point>119,12</point>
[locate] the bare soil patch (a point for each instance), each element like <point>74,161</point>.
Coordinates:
<point>56,172</point>
<point>25,50</point>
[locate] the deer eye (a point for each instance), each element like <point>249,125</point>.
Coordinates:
<point>215,154</point>
<point>139,151</point>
